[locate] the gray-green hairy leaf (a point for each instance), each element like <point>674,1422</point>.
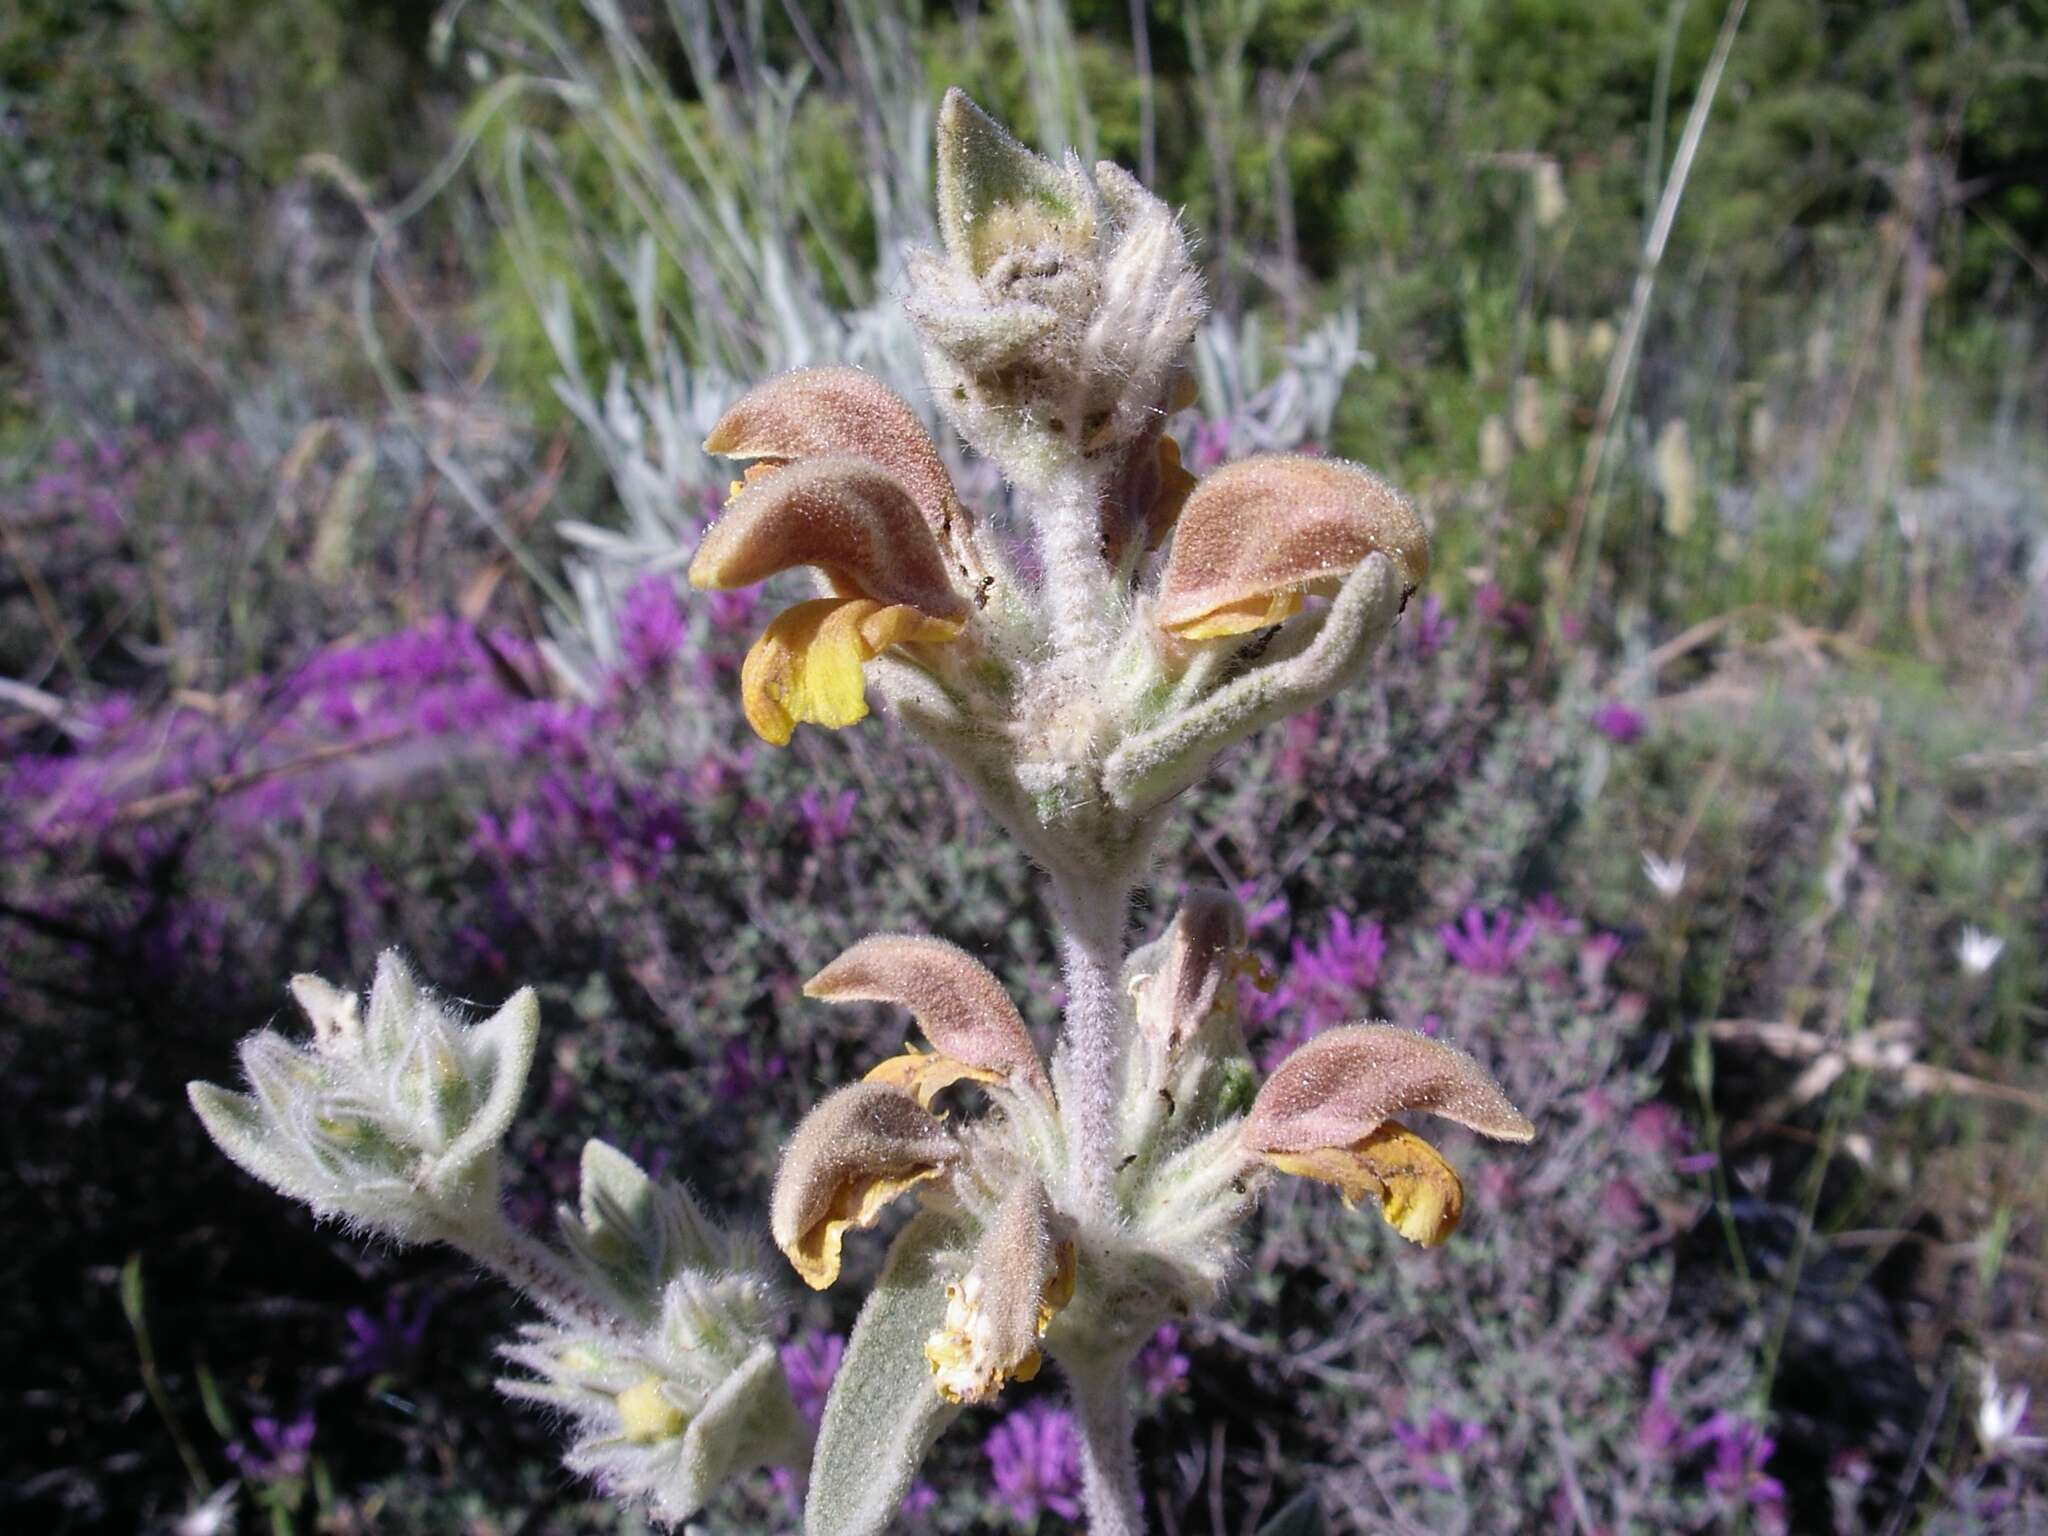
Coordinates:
<point>883,1413</point>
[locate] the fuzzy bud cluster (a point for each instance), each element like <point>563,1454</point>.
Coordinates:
<point>392,1117</point>
<point>1057,319</point>
<point>682,1389</point>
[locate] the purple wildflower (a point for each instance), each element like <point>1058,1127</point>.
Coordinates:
<point>1737,1473</point>
<point>810,1361</point>
<point>1162,1368</point>
<point>1618,723</point>
<point>1034,1457</point>
<point>825,822</point>
<point>740,1074</point>
<point>1549,916</point>
<point>383,1346</point>
<point>919,1500</point>
<point>1433,627</point>
<point>1657,1430</point>
<point>650,627</point>
<point>1487,946</point>
<point>1346,961</point>
<point>281,1451</point>
<point>1491,604</point>
<point>1433,1448</point>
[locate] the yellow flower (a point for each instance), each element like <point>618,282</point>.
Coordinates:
<point>646,1416</point>
<point>848,483</point>
<point>1325,1114</point>
<point>853,1154</point>
<point>1256,537</point>
<point>877,1139</point>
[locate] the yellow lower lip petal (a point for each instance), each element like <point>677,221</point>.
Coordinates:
<point>806,667</point>
<point>925,1074</point>
<point>1260,611</point>
<point>815,1253</point>
<point>1419,1193</point>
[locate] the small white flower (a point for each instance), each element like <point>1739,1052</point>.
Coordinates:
<point>1999,1417</point>
<point>212,1515</point>
<point>1978,951</point>
<point>1666,876</point>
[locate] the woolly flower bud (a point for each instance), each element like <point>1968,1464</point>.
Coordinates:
<point>665,1413</point>
<point>1204,949</point>
<point>1057,321</point>
<point>631,1234</point>
<point>996,1313</point>
<point>392,1121</point>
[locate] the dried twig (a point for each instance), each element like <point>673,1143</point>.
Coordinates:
<point>229,783</point>
<point>1886,1047</point>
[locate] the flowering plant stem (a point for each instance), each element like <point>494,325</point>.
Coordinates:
<point>1091,922</point>
<point>1077,582</point>
<point>529,1266</point>
<point>1109,1467</point>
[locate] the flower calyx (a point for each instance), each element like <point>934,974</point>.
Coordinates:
<point>1326,1114</point>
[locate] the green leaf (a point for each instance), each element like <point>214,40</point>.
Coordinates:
<point>884,1413</point>
<point>747,1422</point>
<point>1301,1515</point>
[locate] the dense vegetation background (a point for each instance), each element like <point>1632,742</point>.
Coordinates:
<point>337,611</point>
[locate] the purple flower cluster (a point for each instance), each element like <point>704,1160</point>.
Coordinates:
<point>650,628</point>
<point>1325,983</point>
<point>1433,627</point>
<point>826,822</point>
<point>1034,1457</point>
<point>387,1344</point>
<point>1618,723</point>
<point>1658,1129</point>
<point>350,716</point>
<point>1487,945</point>
<point>1735,1470</point>
<point>1162,1368</point>
<point>282,1450</point>
<point>809,1362</point>
<point>1435,1446</point>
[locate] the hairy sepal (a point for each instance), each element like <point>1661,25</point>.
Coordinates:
<point>884,1413</point>
<point>1159,763</point>
<point>390,1122</point>
<point>631,1234</point>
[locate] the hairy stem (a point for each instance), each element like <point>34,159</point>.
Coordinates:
<point>529,1266</point>
<point>1077,580</point>
<point>1109,1468</point>
<point>1091,917</point>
